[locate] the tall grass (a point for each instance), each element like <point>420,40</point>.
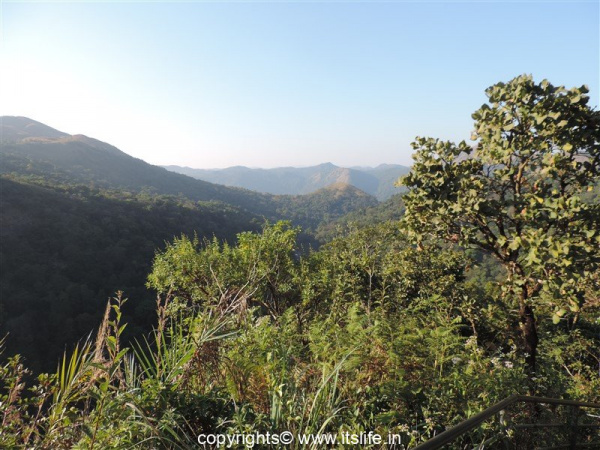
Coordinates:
<point>103,395</point>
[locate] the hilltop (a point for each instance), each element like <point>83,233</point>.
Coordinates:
<point>377,181</point>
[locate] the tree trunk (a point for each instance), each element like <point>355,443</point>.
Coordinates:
<point>530,343</point>
<point>530,337</point>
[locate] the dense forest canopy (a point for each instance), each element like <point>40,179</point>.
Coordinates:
<point>409,317</point>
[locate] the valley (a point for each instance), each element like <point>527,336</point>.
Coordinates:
<point>83,220</point>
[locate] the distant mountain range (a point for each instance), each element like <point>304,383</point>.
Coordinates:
<point>378,181</point>
<point>80,219</point>
<point>31,147</point>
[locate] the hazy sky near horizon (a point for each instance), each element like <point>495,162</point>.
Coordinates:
<point>267,84</point>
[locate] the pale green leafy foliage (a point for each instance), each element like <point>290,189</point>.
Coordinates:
<point>518,193</point>
<point>392,316</point>
<point>257,271</point>
<point>369,334</point>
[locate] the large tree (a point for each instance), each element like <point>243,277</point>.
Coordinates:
<point>518,195</point>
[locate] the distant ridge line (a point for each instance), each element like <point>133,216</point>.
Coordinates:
<point>378,181</point>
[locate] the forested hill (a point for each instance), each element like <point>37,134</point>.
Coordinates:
<point>378,181</point>
<point>390,210</point>
<point>65,250</point>
<point>86,160</point>
<point>38,151</point>
<point>326,205</point>
<point>81,220</point>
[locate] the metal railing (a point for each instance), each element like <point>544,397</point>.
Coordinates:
<point>472,423</point>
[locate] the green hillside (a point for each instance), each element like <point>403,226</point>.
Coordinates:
<point>323,206</point>
<point>85,160</point>
<point>82,220</point>
<point>390,210</point>
<point>44,155</point>
<point>65,249</point>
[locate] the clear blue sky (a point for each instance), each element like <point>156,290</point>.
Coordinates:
<point>266,84</point>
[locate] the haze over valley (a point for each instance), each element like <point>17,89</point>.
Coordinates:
<point>378,181</point>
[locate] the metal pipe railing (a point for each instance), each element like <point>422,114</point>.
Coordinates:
<point>469,424</point>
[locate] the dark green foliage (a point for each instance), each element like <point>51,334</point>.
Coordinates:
<point>389,210</point>
<point>325,206</point>
<point>66,249</point>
